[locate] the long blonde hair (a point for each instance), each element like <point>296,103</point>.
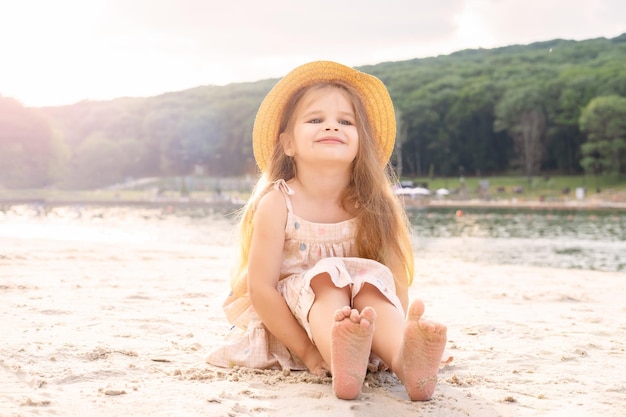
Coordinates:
<point>382,225</point>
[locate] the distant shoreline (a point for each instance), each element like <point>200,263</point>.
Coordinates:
<point>591,205</point>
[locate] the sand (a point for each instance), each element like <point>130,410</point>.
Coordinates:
<point>104,329</point>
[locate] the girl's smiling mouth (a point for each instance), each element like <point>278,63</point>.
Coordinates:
<point>331,140</point>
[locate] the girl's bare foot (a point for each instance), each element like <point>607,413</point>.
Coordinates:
<point>351,343</point>
<point>419,358</point>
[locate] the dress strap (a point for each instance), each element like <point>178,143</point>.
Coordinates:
<point>282,186</point>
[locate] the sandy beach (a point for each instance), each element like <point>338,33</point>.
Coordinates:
<point>104,329</point>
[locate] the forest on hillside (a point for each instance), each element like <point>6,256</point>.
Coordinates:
<point>554,107</point>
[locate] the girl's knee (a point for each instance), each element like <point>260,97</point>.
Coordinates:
<point>370,295</point>
<point>324,288</point>
<point>321,281</point>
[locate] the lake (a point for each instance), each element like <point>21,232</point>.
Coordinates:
<point>590,240</point>
<point>594,240</point>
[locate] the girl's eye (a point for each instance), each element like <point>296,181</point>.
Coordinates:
<point>315,121</point>
<point>345,122</point>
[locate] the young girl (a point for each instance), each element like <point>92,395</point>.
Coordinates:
<point>326,258</point>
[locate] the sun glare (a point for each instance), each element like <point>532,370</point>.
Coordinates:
<point>52,57</point>
<point>42,45</point>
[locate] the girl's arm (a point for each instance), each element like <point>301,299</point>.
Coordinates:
<point>266,251</point>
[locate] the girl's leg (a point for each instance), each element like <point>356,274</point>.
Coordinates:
<point>328,299</point>
<point>342,335</point>
<point>351,344</point>
<point>418,361</point>
<point>390,321</point>
<point>412,349</point>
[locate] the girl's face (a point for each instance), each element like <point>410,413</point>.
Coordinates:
<point>323,128</point>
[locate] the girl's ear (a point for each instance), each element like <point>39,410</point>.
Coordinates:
<point>285,141</point>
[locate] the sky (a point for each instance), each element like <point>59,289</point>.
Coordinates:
<point>58,52</point>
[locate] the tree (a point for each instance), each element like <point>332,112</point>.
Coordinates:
<point>469,121</point>
<point>29,150</point>
<point>97,162</point>
<point>401,134</point>
<point>567,96</point>
<point>58,161</point>
<point>520,112</point>
<point>446,109</point>
<point>604,123</point>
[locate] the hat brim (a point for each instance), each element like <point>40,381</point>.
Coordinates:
<point>372,91</point>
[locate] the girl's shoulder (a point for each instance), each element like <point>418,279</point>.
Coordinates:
<point>271,204</point>
<point>273,198</point>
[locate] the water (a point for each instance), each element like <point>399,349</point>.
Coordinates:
<point>593,240</point>
<point>576,239</point>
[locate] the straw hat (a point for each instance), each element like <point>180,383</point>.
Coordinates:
<point>372,91</point>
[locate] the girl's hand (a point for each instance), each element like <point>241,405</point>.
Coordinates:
<point>314,362</point>
<point>376,364</point>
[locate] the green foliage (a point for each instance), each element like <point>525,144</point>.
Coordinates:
<point>520,112</point>
<point>98,161</point>
<point>474,112</point>
<point>604,122</point>
<point>29,150</point>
